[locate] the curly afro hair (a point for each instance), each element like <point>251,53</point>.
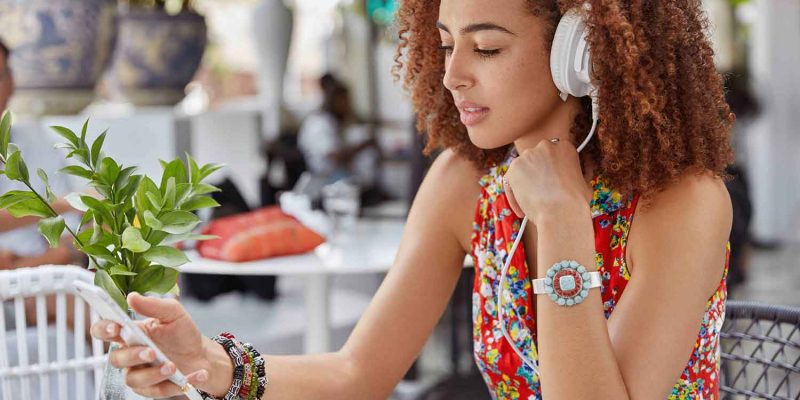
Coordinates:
<point>662,106</point>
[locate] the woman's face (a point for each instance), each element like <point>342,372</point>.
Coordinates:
<point>497,67</point>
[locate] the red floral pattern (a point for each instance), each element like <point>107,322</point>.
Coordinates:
<point>495,229</point>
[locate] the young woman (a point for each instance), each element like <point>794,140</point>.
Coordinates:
<point>649,331</point>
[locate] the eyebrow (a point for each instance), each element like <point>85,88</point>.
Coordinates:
<point>472,28</point>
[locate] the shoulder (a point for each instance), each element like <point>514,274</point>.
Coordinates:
<point>688,220</point>
<point>450,193</point>
<point>696,200</point>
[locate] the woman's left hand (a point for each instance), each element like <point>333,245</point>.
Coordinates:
<point>547,180</point>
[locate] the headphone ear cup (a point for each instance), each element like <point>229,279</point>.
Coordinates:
<point>559,57</point>
<point>570,62</point>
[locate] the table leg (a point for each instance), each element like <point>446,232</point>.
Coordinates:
<point>317,298</point>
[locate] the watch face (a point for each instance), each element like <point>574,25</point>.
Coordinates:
<point>566,283</point>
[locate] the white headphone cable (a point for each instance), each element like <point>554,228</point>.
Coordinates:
<point>500,310</point>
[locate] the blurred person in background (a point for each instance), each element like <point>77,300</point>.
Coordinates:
<point>21,244</point>
<point>336,146</point>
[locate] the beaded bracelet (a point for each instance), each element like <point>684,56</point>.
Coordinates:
<point>249,375</point>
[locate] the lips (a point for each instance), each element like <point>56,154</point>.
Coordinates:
<point>471,113</point>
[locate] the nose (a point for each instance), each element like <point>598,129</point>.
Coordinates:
<point>456,72</point>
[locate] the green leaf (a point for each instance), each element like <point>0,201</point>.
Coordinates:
<point>167,256</point>
<point>51,229</point>
<point>169,278</point>
<point>204,188</point>
<point>133,241</point>
<point>16,169</point>
<point>77,171</point>
<point>122,178</point>
<point>5,133</point>
<point>67,146</point>
<point>15,196</point>
<point>209,169</point>
<point>81,154</point>
<point>174,169</point>
<point>169,194</point>
<point>175,291</point>
<point>101,188</point>
<point>108,171</point>
<point>130,188</point>
<point>100,208</point>
<point>120,270</point>
<point>179,222</point>
<point>155,201</point>
<point>87,216</point>
<point>67,134</point>
<point>147,278</point>
<point>140,200</point>
<point>156,237</point>
<point>83,130</point>
<point>99,251</point>
<point>198,203</point>
<point>104,280</point>
<point>74,200</point>
<point>151,221</point>
<point>97,146</point>
<point>42,175</point>
<point>194,170</point>
<point>172,239</point>
<point>47,189</point>
<point>30,208</point>
<point>182,192</point>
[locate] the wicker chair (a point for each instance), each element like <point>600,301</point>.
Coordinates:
<point>760,352</point>
<point>47,362</point>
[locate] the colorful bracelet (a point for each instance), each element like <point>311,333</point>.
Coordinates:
<point>249,375</point>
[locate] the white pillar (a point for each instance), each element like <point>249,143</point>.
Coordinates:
<point>774,140</point>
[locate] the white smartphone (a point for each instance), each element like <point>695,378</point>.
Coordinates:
<point>133,335</point>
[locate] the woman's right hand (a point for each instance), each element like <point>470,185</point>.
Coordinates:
<point>176,335</point>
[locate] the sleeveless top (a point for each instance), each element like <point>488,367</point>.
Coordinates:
<point>494,231</point>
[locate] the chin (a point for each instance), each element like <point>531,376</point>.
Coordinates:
<point>486,138</point>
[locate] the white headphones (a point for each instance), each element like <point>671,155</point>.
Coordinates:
<point>571,62</point>
<point>571,67</point>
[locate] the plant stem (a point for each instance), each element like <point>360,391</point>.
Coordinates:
<point>55,214</point>
<point>71,232</point>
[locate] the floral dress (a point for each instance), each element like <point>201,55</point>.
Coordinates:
<point>494,231</point>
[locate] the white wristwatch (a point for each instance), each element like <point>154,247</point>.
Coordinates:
<point>567,283</point>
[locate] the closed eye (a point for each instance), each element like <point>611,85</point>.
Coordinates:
<point>485,53</point>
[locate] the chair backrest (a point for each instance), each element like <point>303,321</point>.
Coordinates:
<point>54,356</point>
<point>760,352</point>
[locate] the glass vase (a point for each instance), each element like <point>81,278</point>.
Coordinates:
<point>113,385</point>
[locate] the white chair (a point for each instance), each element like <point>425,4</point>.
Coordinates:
<point>68,371</point>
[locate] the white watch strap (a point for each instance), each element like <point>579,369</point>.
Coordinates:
<point>595,281</point>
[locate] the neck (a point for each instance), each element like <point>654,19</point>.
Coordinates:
<point>557,125</point>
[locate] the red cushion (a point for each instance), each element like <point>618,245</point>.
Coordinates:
<point>256,235</point>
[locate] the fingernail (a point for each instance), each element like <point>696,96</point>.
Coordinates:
<point>166,369</point>
<point>147,355</point>
<point>111,329</point>
<point>202,376</point>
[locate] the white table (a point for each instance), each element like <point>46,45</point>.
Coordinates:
<point>369,247</point>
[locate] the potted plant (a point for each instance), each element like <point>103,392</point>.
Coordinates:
<point>60,49</point>
<point>128,230</point>
<point>159,49</point>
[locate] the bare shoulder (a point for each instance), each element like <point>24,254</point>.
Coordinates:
<point>700,197</point>
<point>692,216</point>
<point>449,194</point>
